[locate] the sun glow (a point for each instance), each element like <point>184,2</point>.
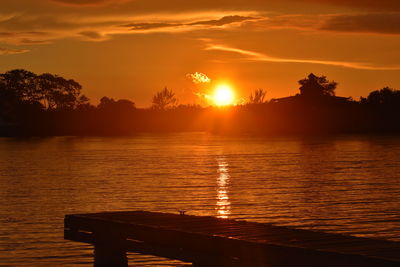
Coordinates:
<point>223,95</point>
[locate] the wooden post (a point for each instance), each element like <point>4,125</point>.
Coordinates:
<point>109,250</point>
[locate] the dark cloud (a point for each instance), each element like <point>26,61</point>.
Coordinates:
<point>92,35</point>
<point>370,23</point>
<point>87,2</point>
<point>299,22</point>
<point>7,34</point>
<point>80,2</point>
<point>386,23</point>
<point>28,41</point>
<point>378,5</point>
<point>223,21</point>
<point>49,22</point>
<point>35,29</point>
<point>217,22</point>
<point>149,26</point>
<point>25,37</point>
<point>36,23</point>
<point>10,51</point>
<point>156,6</point>
<point>141,6</point>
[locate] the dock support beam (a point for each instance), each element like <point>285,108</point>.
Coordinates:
<point>109,250</point>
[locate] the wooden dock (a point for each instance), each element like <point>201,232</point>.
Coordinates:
<point>210,241</point>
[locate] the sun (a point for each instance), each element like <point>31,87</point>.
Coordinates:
<point>223,95</point>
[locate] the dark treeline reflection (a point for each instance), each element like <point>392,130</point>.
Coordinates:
<point>47,104</point>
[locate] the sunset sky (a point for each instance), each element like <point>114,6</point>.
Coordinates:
<point>134,48</point>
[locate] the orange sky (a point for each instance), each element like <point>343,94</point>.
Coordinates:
<point>133,48</point>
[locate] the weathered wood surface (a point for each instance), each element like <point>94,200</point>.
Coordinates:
<point>222,242</point>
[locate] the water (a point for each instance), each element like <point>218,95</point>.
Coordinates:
<point>347,184</point>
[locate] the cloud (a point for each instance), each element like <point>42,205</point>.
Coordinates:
<point>24,37</point>
<point>376,5</point>
<point>150,26</point>
<point>223,21</point>
<point>260,5</point>
<point>198,77</point>
<point>277,22</point>
<point>226,20</point>
<point>21,28</point>
<point>87,2</point>
<point>255,56</point>
<point>92,35</point>
<point>49,22</point>
<point>9,51</point>
<point>371,23</point>
<point>386,23</point>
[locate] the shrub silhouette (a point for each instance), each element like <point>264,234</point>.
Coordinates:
<point>164,99</point>
<point>257,97</point>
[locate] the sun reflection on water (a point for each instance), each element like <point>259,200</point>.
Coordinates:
<point>223,205</point>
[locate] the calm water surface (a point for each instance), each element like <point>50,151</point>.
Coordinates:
<point>348,184</point>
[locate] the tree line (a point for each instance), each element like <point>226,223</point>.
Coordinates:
<point>48,104</point>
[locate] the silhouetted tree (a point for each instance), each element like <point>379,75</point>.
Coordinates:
<point>50,91</point>
<point>386,96</point>
<point>18,95</point>
<point>257,97</point>
<point>110,104</point>
<point>83,100</point>
<point>84,104</point>
<point>20,85</point>
<point>59,93</point>
<point>49,104</point>
<point>106,103</point>
<point>164,99</point>
<point>317,85</point>
<point>125,104</point>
